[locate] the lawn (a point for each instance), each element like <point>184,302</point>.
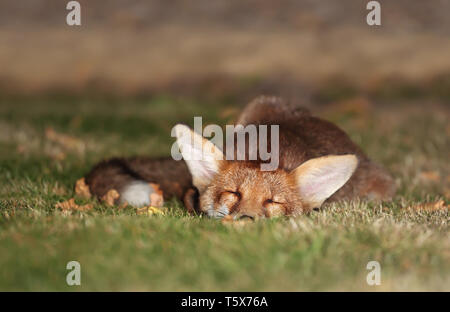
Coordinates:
<point>121,250</point>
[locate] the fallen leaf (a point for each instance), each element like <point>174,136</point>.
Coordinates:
<point>434,206</point>
<point>66,205</point>
<point>150,210</point>
<point>229,112</point>
<point>66,141</point>
<point>71,205</point>
<point>356,105</point>
<point>110,197</point>
<point>58,190</point>
<point>85,207</point>
<point>82,189</point>
<point>21,149</point>
<point>55,153</point>
<point>430,176</point>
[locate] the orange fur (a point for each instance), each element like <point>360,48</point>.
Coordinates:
<point>317,162</point>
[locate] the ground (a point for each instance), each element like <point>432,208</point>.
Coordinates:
<point>47,144</point>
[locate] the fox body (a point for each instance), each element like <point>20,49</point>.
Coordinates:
<point>317,162</point>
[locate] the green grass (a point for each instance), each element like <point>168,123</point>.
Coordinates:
<point>120,250</point>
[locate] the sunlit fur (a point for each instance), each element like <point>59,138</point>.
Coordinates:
<point>241,189</point>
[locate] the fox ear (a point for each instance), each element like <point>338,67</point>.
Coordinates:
<point>202,157</point>
<point>318,178</point>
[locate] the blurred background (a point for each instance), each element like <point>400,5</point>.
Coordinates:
<point>322,50</point>
<point>71,96</point>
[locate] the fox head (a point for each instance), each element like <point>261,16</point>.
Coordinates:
<point>241,189</point>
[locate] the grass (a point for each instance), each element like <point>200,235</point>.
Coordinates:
<point>120,250</point>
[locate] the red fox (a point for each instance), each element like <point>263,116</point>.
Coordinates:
<point>317,162</point>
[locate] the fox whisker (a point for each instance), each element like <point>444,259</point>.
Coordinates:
<point>216,213</point>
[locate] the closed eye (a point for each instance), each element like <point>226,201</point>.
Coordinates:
<point>230,199</point>
<point>230,196</point>
<point>238,194</point>
<point>271,201</point>
<point>273,208</point>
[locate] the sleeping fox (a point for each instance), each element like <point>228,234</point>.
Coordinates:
<point>317,162</point>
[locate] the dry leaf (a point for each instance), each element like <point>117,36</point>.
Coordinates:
<point>85,207</point>
<point>434,206</point>
<point>64,140</point>
<point>430,176</point>
<point>150,210</point>
<point>58,190</point>
<point>110,197</point>
<point>55,153</point>
<point>71,205</point>
<point>82,189</point>
<point>66,205</point>
<point>356,105</point>
<point>21,149</point>
<point>229,112</point>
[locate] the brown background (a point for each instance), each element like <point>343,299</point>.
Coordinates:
<point>204,46</point>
